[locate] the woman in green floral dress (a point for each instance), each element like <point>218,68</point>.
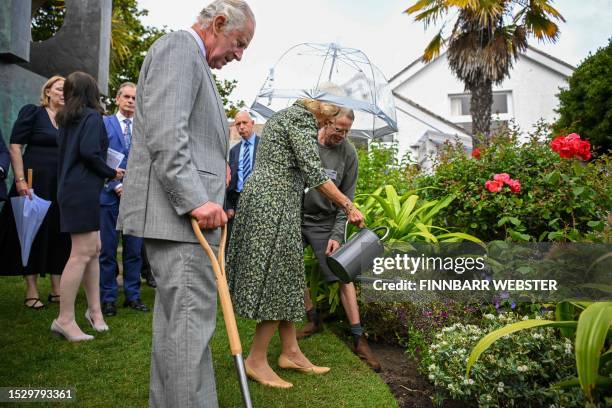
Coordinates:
<point>265,254</point>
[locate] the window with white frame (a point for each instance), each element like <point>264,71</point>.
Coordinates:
<point>460,104</point>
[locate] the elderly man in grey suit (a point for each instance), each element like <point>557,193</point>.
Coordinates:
<point>177,171</point>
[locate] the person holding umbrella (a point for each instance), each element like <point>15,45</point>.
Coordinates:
<point>83,145</point>
<point>36,129</point>
<point>265,260</point>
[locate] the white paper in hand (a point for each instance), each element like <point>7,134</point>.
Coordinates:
<point>114,158</point>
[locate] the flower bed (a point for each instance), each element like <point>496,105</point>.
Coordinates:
<point>515,371</point>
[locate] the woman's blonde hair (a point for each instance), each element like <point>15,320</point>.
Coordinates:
<point>321,109</point>
<point>44,98</point>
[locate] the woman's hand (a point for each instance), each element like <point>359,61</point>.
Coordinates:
<point>355,217</point>
<point>119,173</point>
<point>22,188</point>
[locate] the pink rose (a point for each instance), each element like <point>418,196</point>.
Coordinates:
<point>503,177</point>
<point>572,136</point>
<point>515,186</point>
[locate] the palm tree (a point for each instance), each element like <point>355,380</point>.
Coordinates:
<point>486,38</point>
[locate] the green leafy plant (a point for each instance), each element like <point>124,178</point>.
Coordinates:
<point>326,296</point>
<point>379,165</point>
<point>591,330</point>
<point>409,217</point>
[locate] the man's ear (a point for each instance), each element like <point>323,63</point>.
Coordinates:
<point>218,24</point>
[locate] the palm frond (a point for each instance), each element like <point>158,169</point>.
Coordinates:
<point>428,11</point>
<point>540,26</point>
<point>434,47</point>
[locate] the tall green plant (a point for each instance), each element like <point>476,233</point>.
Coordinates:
<point>379,165</point>
<point>591,330</point>
<point>409,217</point>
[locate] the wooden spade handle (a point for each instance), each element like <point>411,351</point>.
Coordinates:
<point>218,265</point>
<point>30,179</point>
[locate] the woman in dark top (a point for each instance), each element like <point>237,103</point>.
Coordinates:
<point>83,144</point>
<point>35,128</point>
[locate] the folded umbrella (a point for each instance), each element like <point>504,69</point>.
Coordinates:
<point>29,215</point>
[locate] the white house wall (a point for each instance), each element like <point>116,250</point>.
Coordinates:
<point>413,123</point>
<point>534,91</point>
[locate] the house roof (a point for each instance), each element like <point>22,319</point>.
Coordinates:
<point>539,53</point>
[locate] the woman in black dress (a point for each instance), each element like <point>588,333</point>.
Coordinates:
<point>83,144</point>
<point>36,129</point>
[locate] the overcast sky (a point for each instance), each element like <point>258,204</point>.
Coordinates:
<point>388,37</point>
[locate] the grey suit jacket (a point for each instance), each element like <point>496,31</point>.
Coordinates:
<point>179,144</point>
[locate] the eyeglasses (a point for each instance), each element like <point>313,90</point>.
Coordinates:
<point>338,130</point>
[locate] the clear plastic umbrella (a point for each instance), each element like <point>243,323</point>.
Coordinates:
<point>29,215</point>
<point>305,69</point>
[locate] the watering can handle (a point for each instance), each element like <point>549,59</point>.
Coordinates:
<point>374,230</point>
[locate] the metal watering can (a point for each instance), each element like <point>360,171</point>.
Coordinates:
<point>357,254</point>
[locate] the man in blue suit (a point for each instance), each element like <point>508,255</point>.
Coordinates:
<point>241,161</point>
<point>119,129</point>
<point>5,162</point>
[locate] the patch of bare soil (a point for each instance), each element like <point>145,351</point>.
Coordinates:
<point>400,372</point>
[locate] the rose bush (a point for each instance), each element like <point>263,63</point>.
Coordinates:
<point>556,199</point>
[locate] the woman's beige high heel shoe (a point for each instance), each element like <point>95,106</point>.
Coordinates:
<point>59,331</point>
<point>286,363</point>
<point>100,328</point>
<point>274,384</point>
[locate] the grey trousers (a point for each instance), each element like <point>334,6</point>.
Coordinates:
<point>317,237</point>
<point>184,319</point>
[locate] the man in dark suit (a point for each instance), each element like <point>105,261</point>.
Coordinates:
<point>5,162</point>
<point>241,161</point>
<point>119,129</point>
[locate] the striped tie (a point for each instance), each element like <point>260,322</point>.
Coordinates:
<point>246,161</point>
<point>127,135</point>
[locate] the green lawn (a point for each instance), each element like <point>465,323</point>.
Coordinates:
<point>113,370</point>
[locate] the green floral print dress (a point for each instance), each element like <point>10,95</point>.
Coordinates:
<point>265,263</point>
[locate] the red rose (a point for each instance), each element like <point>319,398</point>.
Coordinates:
<point>502,177</point>
<point>557,143</point>
<point>583,150</point>
<point>571,146</point>
<point>494,186</point>
<point>566,152</point>
<point>476,153</point>
<point>515,186</point>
